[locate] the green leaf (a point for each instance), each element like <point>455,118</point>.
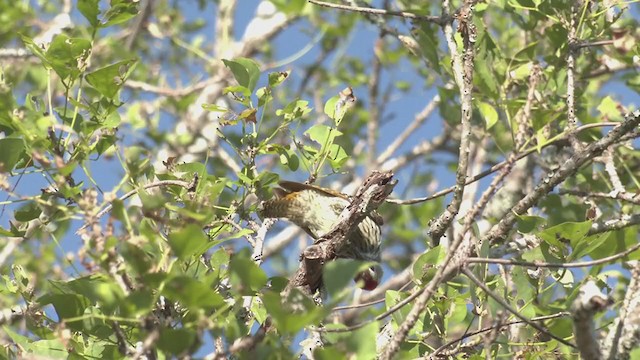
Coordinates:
<point>424,268</point>
<point>276,78</point>
<point>120,11</point>
<point>11,150</point>
<point>322,134</point>
<point>609,109</point>
<point>110,79</point>
<point>194,294</point>
<point>588,245</point>
<point>337,156</point>
<point>245,71</point>
<point>27,212</point>
<point>50,349</point>
<point>427,38</point>
<point>356,344</point>
<point>290,6</point>
<point>66,56</point>
<point>138,303</point>
<point>67,306</point>
<point>521,72</point>
<point>569,231</point>
<point>294,110</point>
<point>338,274</point>
<point>188,241</point>
<point>90,10</point>
<point>246,276</point>
<point>293,313</point>
<point>391,299</point>
<point>489,114</point>
<point>100,289</point>
<point>176,341</point>
<point>214,108</point>
<point>337,106</point>
<point>529,223</point>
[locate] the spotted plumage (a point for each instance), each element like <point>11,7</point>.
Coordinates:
<point>316,210</point>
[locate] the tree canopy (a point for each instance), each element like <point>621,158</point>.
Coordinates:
<point>138,140</point>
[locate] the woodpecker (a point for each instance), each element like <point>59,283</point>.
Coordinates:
<point>316,210</point>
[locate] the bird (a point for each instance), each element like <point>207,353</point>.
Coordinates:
<point>316,210</point>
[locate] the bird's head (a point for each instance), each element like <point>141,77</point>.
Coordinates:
<point>369,278</point>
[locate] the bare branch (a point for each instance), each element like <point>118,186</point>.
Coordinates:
<point>536,264</point>
<point>418,120</point>
<point>624,334</point>
<point>590,301</point>
<point>407,15</point>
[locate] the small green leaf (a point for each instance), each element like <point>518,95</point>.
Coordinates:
<point>192,293</point>
<point>570,231</point>
<point>214,108</point>
<point>489,114</point>
<point>276,78</point>
<point>338,274</point>
<point>27,212</point>
<point>188,241</point>
<point>246,276</point>
<point>337,156</point>
<point>521,72</point>
<point>66,56</point>
<point>110,79</point>
<point>424,268</point>
<point>427,38</point>
<point>330,109</point>
<point>11,150</point>
<point>610,109</point>
<point>120,11</point>
<point>322,134</point>
<point>588,245</point>
<point>245,71</point>
<point>90,10</point>
<point>353,344</point>
<point>529,223</point>
<point>67,306</point>
<point>176,341</point>
<point>293,313</point>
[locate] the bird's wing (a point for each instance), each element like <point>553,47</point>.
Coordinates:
<point>292,186</point>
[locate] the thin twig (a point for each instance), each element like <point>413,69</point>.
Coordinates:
<point>535,264</point>
<point>418,120</point>
<point>423,148</point>
<point>166,91</point>
<point>510,308</point>
<point>374,106</point>
<point>407,15</point>
<point>572,120</point>
<point>189,185</point>
<point>624,196</point>
<point>434,354</point>
<point>496,167</point>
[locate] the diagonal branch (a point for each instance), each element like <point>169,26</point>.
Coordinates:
<point>553,178</point>
<point>367,10</point>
